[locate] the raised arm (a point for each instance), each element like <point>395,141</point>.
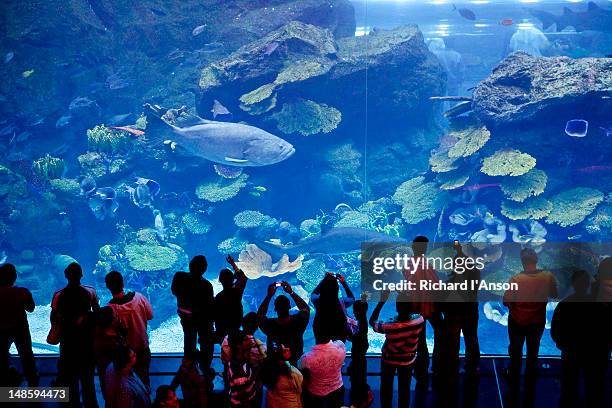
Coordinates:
<point>299,302</point>
<point>347,290</point>
<point>384,295</point>
<point>263,308</point>
<point>241,278</point>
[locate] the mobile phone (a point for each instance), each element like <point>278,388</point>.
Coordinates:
<point>456,242</point>
<point>278,284</point>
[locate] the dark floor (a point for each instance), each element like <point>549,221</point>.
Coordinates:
<point>490,391</point>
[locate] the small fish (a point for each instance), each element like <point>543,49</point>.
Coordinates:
<point>63,121</point>
<point>255,193</point>
<point>506,22</point>
<point>465,13</point>
<point>198,30</point>
<point>158,12</point>
<point>475,187</point>
<point>219,109</point>
<point>574,237</point>
<point>260,188</point>
<point>118,119</point>
<point>212,47</point>
<point>133,131</point>
<point>28,73</point>
<point>23,136</point>
<point>88,186</point>
<point>593,169</point>
<point>8,57</point>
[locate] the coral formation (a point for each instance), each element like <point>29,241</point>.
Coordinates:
<point>48,167</point>
<point>104,140</point>
<point>344,159</point>
<point>66,186</point>
<point>196,223</point>
<point>221,190</point>
<point>355,219</point>
<point>307,118</point>
<point>452,180</point>
<point>253,219</point>
<point>257,263</point>
<point>311,273</point>
<point>441,163</point>
<point>507,162</point>
<point>522,187</point>
<point>150,257</point>
<point>469,141</point>
<point>310,227</point>
<point>571,207</point>
<point>533,208</point>
<point>419,200</point>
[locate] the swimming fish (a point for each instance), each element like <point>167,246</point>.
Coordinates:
<point>219,109</point>
<point>593,169</point>
<point>594,19</point>
<point>133,131</point>
<point>260,188</point>
<point>28,73</point>
<point>506,22</point>
<point>465,13</point>
<point>577,128</point>
<point>160,228</point>
<point>8,57</point>
<point>143,194</point>
<point>255,193</point>
<point>230,144</point>
<point>198,30</point>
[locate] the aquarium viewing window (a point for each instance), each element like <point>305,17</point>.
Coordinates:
<point>133,138</point>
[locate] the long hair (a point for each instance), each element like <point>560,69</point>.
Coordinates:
<point>274,366</point>
<point>330,319</point>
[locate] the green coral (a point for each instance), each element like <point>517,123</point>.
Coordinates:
<point>522,187</point>
<point>441,163</point>
<point>310,227</point>
<point>420,201</point>
<point>97,164</point>
<point>258,95</point>
<point>507,162</point>
<point>65,186</point>
<point>196,223</point>
<point>48,167</point>
<point>344,159</point>
<point>311,273</point>
<point>221,190</point>
<point>141,122</point>
<point>452,180</point>
<point>232,245</point>
<point>148,258</point>
<point>353,219</point>
<point>105,140</point>
<point>571,207</point>
<point>533,208</point>
<point>307,118</point>
<point>252,219</point>
<point>470,141</point>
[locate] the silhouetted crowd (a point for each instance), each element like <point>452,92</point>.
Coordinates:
<point>112,340</point>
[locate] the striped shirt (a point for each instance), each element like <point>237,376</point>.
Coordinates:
<point>401,339</point>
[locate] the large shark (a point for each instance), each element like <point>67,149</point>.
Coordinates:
<point>229,144</point>
<point>594,19</point>
<point>334,241</point>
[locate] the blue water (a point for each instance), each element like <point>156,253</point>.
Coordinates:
<point>333,178</point>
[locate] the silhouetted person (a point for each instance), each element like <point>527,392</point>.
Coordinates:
<point>358,369</point>
<point>72,310</point>
<point>109,335</point>
<point>602,287</point>
<point>330,316</point>
<point>580,331</point>
<point>134,311</point>
<point>228,302</point>
<point>424,303</point>
<point>461,315</point>
<point>195,299</point>
<point>282,381</point>
<point>192,382</point>
<point>14,327</point>
<point>165,397</point>
<point>322,371</point>
<point>527,313</point>
<point>124,388</point>
<point>287,329</point>
<point>399,350</point>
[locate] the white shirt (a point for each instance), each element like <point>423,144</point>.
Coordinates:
<point>324,362</point>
